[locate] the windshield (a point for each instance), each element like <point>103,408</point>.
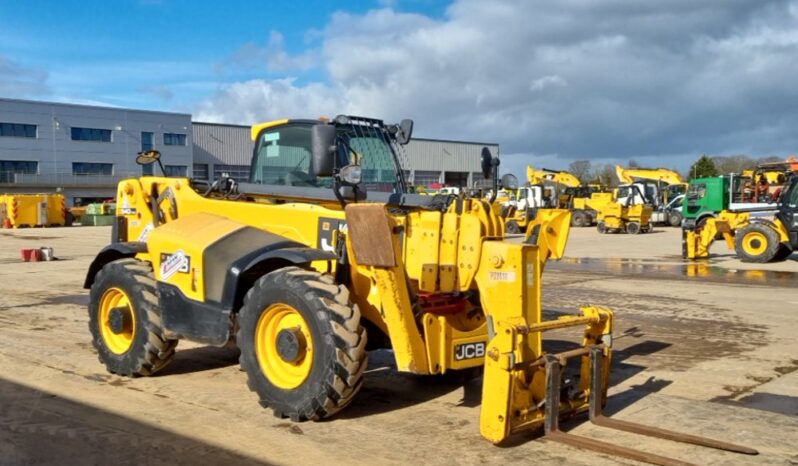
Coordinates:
<point>283,156</point>
<point>696,191</point>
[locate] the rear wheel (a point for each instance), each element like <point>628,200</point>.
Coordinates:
<point>125,321</point>
<point>633,228</point>
<point>512,227</point>
<point>757,243</point>
<point>579,219</point>
<point>675,219</point>
<point>302,345</point>
<point>601,227</point>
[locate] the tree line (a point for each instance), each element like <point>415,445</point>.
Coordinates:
<point>706,165</point>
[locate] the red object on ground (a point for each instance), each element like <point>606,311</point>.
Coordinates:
<point>31,255</point>
<point>7,223</point>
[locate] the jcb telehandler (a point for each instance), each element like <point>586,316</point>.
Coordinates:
<point>324,246</point>
<point>752,239</point>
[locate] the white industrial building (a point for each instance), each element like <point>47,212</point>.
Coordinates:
<point>83,151</point>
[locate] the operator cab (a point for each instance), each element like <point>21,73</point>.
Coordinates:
<point>284,153</point>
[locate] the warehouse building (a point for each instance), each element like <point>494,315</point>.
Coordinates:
<point>220,148</point>
<point>83,151</point>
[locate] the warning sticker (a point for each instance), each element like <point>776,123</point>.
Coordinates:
<point>174,263</point>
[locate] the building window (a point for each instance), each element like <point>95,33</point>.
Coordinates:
<point>18,130</point>
<point>175,170</point>
<point>174,139</point>
<point>200,171</point>
<point>92,169</point>
<point>426,178</point>
<point>91,134</point>
<point>238,172</point>
<point>146,141</point>
<point>9,168</point>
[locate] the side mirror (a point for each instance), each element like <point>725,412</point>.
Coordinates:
<point>487,163</point>
<point>405,132</point>
<point>322,143</point>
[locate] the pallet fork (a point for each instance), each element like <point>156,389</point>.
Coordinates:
<point>554,364</point>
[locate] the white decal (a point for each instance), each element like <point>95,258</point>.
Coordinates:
<point>171,264</point>
<point>502,276</point>
<point>146,231</point>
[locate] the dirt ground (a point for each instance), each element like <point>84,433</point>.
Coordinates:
<point>706,348</point>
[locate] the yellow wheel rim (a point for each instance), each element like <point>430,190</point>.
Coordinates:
<point>755,243</point>
<point>118,343</point>
<point>280,372</point>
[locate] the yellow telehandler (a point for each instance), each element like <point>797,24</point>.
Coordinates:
<point>322,249</point>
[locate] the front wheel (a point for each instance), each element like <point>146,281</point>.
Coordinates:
<point>302,345</point>
<point>757,243</point>
<point>601,227</point>
<point>512,227</point>
<point>125,321</point>
<point>675,219</point>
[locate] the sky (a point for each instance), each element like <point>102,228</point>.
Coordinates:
<point>551,81</point>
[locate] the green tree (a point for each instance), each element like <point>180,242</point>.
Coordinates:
<point>703,167</point>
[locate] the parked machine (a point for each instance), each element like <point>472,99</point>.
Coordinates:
<point>323,254</point>
<point>627,213</point>
<point>662,188</point>
<point>753,239</point>
<point>756,189</point>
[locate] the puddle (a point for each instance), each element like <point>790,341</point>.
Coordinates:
<point>651,269</point>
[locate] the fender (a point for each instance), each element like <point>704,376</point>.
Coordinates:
<point>232,264</point>
<point>110,253</point>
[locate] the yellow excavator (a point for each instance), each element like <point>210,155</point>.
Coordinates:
<point>322,254</point>
<point>553,189</point>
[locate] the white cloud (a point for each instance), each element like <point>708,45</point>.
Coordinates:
<point>607,80</point>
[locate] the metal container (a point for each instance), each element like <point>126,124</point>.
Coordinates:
<point>47,253</point>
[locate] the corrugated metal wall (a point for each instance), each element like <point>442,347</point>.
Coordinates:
<point>437,155</point>
<point>222,144</point>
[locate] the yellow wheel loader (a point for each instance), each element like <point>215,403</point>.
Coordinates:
<point>752,239</point>
<point>322,254</point>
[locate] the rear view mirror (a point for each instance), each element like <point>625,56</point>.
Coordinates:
<point>323,145</point>
<point>405,132</point>
<point>487,163</point>
<point>148,157</point>
<point>509,181</point>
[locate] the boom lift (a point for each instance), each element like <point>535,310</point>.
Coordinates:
<point>323,249</point>
<point>752,239</point>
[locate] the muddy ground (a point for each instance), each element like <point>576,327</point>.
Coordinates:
<point>707,348</point>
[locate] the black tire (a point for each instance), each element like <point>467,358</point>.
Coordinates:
<point>149,351</point>
<point>339,343</point>
<point>675,219</point>
<point>512,227</point>
<point>633,228</point>
<point>757,243</point>
<point>578,219</point>
<point>601,228</point>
